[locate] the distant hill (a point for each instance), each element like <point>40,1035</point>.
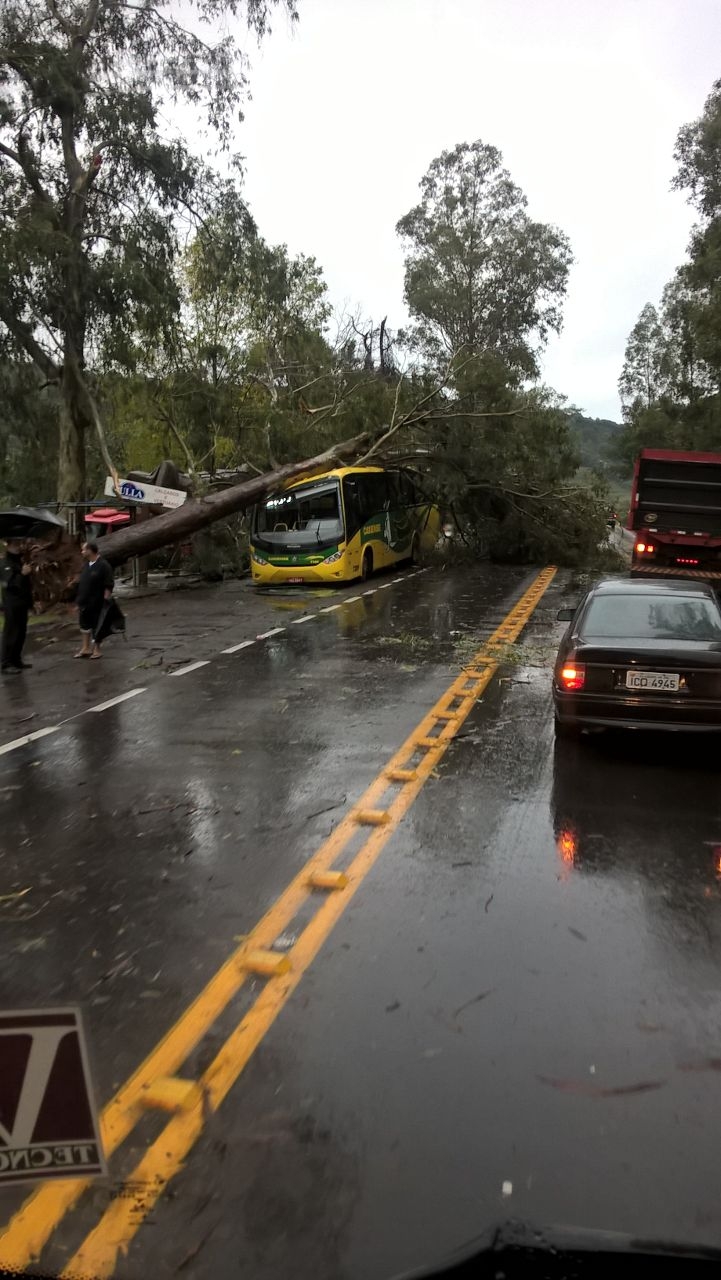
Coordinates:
<point>593,437</point>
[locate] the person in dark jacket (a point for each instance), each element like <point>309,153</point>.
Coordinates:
<point>17,600</point>
<point>95,588</point>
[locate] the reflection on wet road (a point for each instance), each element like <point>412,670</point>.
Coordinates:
<point>517,1015</point>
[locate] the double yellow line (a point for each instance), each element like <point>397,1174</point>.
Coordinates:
<point>330,879</point>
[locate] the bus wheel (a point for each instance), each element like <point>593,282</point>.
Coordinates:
<point>416,550</point>
<point>366,565</point>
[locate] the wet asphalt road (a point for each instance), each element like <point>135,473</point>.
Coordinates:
<point>519,1012</point>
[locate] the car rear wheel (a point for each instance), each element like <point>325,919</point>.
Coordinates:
<point>566,731</point>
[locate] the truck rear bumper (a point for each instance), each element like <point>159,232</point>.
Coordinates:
<point>676,571</point>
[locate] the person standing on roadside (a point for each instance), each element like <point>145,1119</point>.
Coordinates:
<point>17,600</point>
<point>95,588</point>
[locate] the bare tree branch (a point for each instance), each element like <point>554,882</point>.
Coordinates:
<point>25,336</point>
<point>170,423</point>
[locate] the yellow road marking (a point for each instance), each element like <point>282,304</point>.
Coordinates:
<point>402,778</point>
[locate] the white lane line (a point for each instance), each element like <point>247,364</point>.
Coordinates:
<point>191,666</point>
<point>29,737</point>
<point>194,666</point>
<point>113,702</point>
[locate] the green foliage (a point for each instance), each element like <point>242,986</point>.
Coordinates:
<point>672,375</point>
<point>28,436</point>
<point>510,477</point>
<point>224,387</point>
<point>697,150</point>
<point>594,438</point>
<point>647,363</point>
<point>92,185</point>
<point>481,275</point>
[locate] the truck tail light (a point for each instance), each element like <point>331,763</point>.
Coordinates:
<point>573,676</point>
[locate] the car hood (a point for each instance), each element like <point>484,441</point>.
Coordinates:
<point>517,1249</point>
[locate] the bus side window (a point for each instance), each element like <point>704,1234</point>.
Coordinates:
<point>378,485</point>
<point>353,496</point>
<point>408,495</point>
<point>395,499</point>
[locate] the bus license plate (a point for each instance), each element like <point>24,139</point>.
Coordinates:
<point>295,579</point>
<point>653,681</point>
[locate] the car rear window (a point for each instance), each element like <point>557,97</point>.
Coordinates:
<point>652,617</point>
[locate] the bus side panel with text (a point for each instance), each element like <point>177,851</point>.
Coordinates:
<point>341,526</point>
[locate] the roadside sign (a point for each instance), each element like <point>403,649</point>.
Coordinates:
<point>151,494</point>
<point>48,1126</point>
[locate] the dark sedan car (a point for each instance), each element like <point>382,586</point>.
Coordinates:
<point>640,654</point>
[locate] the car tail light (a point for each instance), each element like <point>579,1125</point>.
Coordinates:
<point>646,547</point>
<point>567,845</point>
<point>641,547</point>
<point>685,560</point>
<point>573,675</point>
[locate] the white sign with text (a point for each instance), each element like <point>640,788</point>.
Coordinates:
<point>152,494</point>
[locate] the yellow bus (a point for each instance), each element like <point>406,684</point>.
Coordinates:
<point>341,526</point>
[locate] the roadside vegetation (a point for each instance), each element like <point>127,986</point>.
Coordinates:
<point>144,316</point>
<point>671,376</point>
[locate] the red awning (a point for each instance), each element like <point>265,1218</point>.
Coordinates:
<point>107,515</point>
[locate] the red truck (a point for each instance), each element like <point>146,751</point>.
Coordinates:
<point>675,513</point>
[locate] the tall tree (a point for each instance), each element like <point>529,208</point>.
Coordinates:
<point>687,370</point>
<point>248,335</point>
<point>92,180</point>
<point>645,372</point>
<point>698,155</point>
<point>480,274</point>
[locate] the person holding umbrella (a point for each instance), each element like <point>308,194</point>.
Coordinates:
<point>17,601</point>
<point>95,590</point>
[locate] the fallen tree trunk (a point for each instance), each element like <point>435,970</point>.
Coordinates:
<point>196,513</point>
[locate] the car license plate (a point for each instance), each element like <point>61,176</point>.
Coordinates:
<point>653,681</point>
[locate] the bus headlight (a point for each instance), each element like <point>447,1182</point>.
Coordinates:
<point>334,558</point>
<point>256,558</point>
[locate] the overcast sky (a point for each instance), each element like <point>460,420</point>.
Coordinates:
<point>583,97</point>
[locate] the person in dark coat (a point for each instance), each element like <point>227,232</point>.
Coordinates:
<point>95,589</point>
<point>17,601</point>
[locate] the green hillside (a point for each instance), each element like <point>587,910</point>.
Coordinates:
<point>593,437</point>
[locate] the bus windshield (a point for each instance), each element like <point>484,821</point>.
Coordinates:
<point>302,517</point>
